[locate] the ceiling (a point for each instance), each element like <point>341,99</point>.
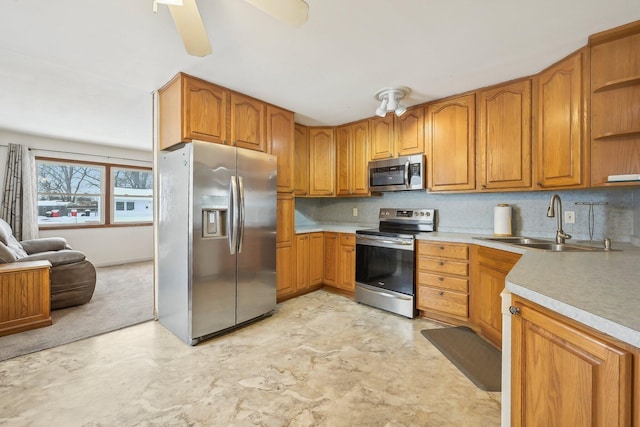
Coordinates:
<point>84,70</point>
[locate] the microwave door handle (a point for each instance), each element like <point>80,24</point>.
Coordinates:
<point>406,173</point>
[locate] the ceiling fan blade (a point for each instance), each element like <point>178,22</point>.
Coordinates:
<point>191,28</point>
<point>292,12</point>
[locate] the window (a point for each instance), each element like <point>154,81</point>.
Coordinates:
<point>132,195</point>
<point>81,194</point>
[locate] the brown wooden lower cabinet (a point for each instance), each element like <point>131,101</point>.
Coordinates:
<point>285,270</point>
<point>309,260</point>
<point>347,262</point>
<point>443,280</point>
<point>489,270</point>
<point>331,245</point>
<point>340,260</point>
<point>566,374</point>
<point>25,296</point>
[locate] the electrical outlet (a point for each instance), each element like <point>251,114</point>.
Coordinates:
<point>355,211</point>
<point>569,217</point>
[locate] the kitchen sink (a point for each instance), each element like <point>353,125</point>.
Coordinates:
<point>559,247</point>
<point>514,240</point>
<point>541,244</point>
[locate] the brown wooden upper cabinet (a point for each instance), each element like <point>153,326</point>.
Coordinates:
<point>280,140</point>
<point>450,140</point>
<point>247,122</point>
<point>504,137</point>
<point>559,131</point>
<point>615,97</point>
<point>301,160</point>
<point>321,161</point>
<point>393,136</point>
<point>409,131</point>
<point>381,134</point>
<point>352,159</point>
<point>191,108</point>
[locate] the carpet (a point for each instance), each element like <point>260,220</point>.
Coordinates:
<point>123,297</point>
<point>473,356</point>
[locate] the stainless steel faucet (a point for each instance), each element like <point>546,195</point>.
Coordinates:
<point>560,234</point>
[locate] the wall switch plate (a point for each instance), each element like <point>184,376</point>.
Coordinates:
<point>355,211</point>
<point>569,217</point>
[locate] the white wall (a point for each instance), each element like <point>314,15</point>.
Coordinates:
<point>103,246</point>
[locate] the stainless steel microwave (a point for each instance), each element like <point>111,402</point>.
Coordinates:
<point>399,174</point>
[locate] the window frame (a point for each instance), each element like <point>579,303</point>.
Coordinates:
<point>108,203</point>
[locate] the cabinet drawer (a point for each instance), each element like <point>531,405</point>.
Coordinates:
<point>448,302</point>
<point>445,282</point>
<point>443,266</point>
<point>348,239</point>
<point>445,250</point>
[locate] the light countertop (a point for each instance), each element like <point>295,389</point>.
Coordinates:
<point>599,289</point>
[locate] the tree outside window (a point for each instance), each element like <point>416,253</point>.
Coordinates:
<point>70,193</point>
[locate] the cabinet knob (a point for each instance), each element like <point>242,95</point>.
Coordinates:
<point>484,186</point>
<point>514,310</point>
<point>441,293</point>
<point>441,262</point>
<point>441,279</point>
<point>442,248</point>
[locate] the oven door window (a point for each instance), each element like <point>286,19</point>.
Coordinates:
<point>385,268</point>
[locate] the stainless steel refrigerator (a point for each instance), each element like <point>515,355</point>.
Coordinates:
<point>216,239</point>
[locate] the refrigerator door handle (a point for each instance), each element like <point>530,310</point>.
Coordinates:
<point>240,213</point>
<point>232,216</point>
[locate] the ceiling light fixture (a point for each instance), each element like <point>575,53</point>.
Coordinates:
<point>389,98</point>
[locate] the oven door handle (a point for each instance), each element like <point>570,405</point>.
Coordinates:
<point>387,241</point>
<point>384,294</point>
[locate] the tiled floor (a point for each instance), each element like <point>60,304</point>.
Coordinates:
<point>320,360</point>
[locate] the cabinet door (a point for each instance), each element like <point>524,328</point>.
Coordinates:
<point>247,122</point>
<point>302,262</point>
<point>285,218</point>
<point>205,115</point>
<point>343,160</point>
<point>409,130</point>
<point>331,244</point>
<point>301,161</point>
<point>321,162</point>
<point>359,158</point>
<point>564,376</point>
<point>285,270</point>
<point>347,263</point>
<point>382,138</point>
<point>352,165</point>
<point>450,136</point>
<point>280,143</point>
<point>490,268</point>
<point>504,136</point>
<point>560,130</point>
<point>316,258</point>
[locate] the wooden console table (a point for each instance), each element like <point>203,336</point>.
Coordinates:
<point>25,296</point>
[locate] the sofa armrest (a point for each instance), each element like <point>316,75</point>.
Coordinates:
<point>56,257</point>
<point>44,245</point>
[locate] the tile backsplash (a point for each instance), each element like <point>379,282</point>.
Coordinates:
<point>473,213</point>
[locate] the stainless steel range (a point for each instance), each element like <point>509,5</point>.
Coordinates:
<point>385,260</point>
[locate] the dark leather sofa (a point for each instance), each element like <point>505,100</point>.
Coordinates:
<point>73,277</point>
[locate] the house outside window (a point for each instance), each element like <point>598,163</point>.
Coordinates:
<point>79,194</point>
<point>133,190</point>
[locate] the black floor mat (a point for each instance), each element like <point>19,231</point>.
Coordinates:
<point>476,358</point>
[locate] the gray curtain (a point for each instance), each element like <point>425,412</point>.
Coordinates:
<point>19,198</point>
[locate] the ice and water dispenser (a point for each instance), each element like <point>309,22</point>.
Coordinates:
<point>214,216</point>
